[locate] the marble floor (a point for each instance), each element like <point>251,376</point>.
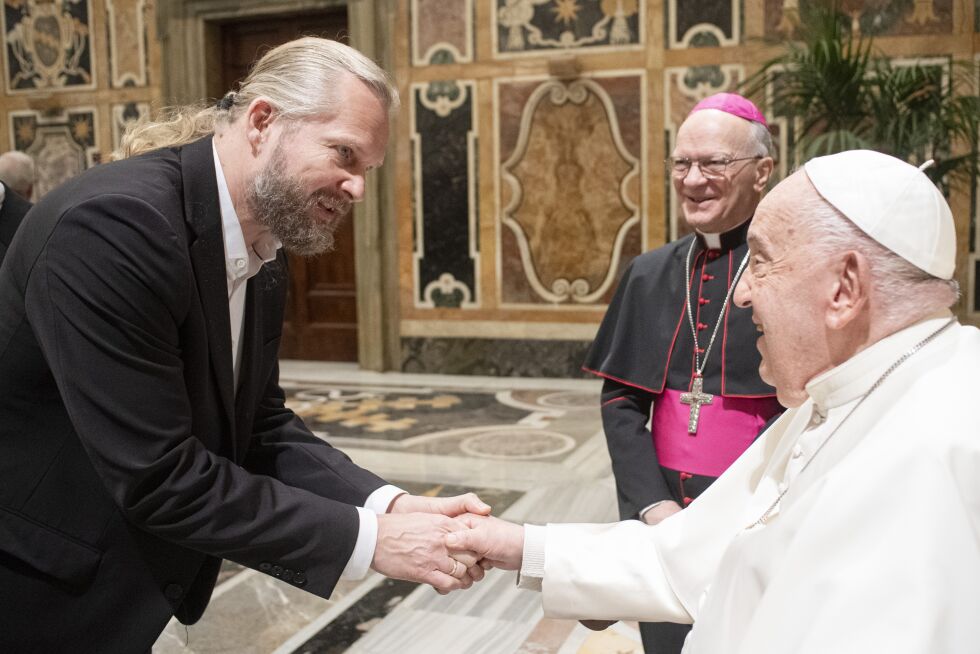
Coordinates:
<point>532,448</point>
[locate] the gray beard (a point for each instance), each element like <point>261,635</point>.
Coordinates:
<point>279,204</point>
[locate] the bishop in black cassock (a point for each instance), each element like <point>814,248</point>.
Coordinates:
<point>668,441</point>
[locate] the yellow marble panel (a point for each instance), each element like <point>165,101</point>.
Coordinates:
<point>127,41</point>
<point>568,193</point>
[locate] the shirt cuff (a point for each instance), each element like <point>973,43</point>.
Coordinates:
<point>367,538</point>
<point>367,534</point>
<point>379,500</point>
<point>532,563</point>
<point>648,507</point>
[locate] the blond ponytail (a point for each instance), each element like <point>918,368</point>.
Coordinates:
<point>174,126</point>
<point>299,78</point>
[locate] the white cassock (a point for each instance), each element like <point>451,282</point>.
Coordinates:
<point>875,547</point>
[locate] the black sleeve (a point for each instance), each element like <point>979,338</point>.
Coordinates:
<point>639,480</point>
<point>283,447</point>
<point>105,300</point>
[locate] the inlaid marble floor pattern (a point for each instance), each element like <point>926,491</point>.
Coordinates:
<point>532,448</point>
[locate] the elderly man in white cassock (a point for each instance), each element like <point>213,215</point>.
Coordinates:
<point>853,523</point>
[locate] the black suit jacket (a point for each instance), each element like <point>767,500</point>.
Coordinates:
<point>129,464</point>
<point>12,211</point>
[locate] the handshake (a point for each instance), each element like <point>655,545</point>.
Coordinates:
<point>446,542</point>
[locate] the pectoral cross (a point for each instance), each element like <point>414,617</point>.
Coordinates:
<point>695,398</point>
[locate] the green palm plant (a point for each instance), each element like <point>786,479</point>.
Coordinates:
<point>843,94</point>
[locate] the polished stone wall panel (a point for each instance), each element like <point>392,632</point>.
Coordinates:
<point>62,145</point>
<point>532,26</point>
<point>124,115</point>
<point>496,357</point>
<point>703,23</point>
<point>76,73</point>
<point>555,187</point>
<point>48,45</point>
<point>444,140</point>
<point>127,42</point>
<point>578,147</point>
<point>442,32</point>
<point>877,18</point>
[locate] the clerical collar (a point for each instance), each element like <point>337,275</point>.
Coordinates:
<point>726,240</point>
<point>853,378</point>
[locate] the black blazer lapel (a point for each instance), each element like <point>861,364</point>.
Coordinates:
<point>265,300</point>
<point>250,365</point>
<point>203,214</point>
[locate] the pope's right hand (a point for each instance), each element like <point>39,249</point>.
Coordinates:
<point>496,542</point>
<point>661,512</point>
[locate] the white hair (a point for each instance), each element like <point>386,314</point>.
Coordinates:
<point>761,143</point>
<point>17,170</point>
<point>901,292</point>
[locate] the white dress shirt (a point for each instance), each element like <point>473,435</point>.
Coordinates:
<point>241,264</point>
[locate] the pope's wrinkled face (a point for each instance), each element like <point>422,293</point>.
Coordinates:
<point>315,169</point>
<point>718,203</point>
<point>786,292</point>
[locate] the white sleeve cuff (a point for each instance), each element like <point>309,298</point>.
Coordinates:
<point>532,563</point>
<point>648,507</point>
<point>367,539</point>
<point>379,500</point>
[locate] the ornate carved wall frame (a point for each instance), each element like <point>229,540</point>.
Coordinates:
<point>188,31</point>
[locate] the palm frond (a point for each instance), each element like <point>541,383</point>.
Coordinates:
<point>844,94</point>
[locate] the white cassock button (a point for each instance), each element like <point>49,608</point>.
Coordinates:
<point>797,452</point>
<point>239,263</point>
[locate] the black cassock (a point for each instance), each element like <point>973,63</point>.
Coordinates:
<point>645,347</point>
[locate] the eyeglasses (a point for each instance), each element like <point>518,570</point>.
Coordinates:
<point>713,167</point>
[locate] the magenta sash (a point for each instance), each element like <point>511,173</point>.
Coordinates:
<point>726,428</point>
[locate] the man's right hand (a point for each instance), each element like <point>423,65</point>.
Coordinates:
<point>412,546</point>
<point>660,512</point>
<point>496,542</point>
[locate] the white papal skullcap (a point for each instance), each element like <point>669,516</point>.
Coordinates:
<point>891,201</point>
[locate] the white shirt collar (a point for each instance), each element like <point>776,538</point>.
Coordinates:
<point>240,263</point>
<point>711,241</point>
<point>854,377</point>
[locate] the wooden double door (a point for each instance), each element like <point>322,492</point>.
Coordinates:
<point>321,318</point>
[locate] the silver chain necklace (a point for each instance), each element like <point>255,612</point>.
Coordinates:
<point>697,397</point>
<point>915,348</point>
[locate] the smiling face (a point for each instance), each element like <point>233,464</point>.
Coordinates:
<point>719,204</point>
<point>312,169</point>
<point>789,295</point>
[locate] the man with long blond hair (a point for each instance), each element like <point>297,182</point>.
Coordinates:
<point>143,432</point>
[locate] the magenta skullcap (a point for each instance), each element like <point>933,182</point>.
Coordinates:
<point>734,104</point>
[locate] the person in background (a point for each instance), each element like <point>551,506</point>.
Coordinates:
<point>682,397</point>
<point>18,173</point>
<point>16,187</point>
